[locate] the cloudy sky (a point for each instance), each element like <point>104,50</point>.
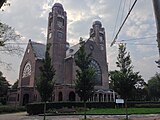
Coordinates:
<point>29,18</point>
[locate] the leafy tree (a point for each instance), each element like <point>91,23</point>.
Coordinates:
<point>4,85</point>
<point>158,63</point>
<point>154,87</point>
<point>45,84</point>
<point>15,85</point>
<point>9,42</point>
<point>2,2</point>
<point>85,75</point>
<point>124,81</point>
<point>140,94</point>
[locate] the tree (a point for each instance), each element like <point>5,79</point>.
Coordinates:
<point>2,2</point>
<point>158,63</point>
<point>140,93</point>
<point>45,84</point>
<point>124,81</point>
<point>4,85</point>
<point>154,87</point>
<point>85,75</point>
<point>15,85</point>
<point>9,43</point>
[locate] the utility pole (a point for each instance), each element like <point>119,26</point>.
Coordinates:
<point>156,5</point>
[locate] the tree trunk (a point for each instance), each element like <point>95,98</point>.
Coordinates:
<point>44,118</point>
<point>126,109</point>
<point>85,109</point>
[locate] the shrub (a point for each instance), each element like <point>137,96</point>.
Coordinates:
<point>11,109</point>
<point>37,108</point>
<point>147,105</point>
<point>3,100</point>
<point>144,104</point>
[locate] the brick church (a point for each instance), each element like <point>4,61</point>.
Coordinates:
<point>63,60</point>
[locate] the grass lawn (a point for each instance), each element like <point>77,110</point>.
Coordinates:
<point>122,111</point>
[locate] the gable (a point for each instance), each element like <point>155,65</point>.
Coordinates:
<point>72,50</point>
<point>38,49</point>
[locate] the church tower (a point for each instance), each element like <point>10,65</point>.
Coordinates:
<point>97,33</point>
<point>57,29</point>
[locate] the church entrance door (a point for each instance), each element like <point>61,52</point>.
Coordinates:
<point>60,96</point>
<point>25,99</point>
<point>72,96</point>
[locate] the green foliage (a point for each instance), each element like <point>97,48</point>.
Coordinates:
<point>15,85</point>
<point>37,108</point>
<point>125,80</point>
<point>7,35</point>
<point>2,2</point>
<point>96,107</point>
<point>4,86</point>
<point>149,105</point>
<point>85,74</point>
<point>154,87</point>
<point>123,59</point>
<point>121,111</point>
<point>11,109</point>
<point>140,94</point>
<point>45,84</point>
<point>3,100</point>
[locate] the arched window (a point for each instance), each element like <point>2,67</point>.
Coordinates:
<point>60,22</point>
<point>98,76</point>
<point>72,96</point>
<point>26,70</point>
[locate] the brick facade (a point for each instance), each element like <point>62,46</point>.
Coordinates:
<point>63,62</point>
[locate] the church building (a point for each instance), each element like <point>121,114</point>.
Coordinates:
<point>63,60</point>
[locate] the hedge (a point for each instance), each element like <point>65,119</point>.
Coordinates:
<point>11,109</point>
<point>143,104</point>
<point>37,108</point>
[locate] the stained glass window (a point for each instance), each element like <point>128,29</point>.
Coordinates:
<point>98,76</point>
<point>27,70</point>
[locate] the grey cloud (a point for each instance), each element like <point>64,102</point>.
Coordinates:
<point>30,19</point>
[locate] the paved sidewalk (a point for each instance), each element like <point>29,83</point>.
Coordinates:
<point>24,116</point>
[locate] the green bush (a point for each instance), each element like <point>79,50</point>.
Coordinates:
<point>11,109</point>
<point>147,105</point>
<point>37,108</point>
<point>143,104</point>
<point>3,100</point>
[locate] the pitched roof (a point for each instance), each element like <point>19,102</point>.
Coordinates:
<point>73,50</point>
<point>39,49</point>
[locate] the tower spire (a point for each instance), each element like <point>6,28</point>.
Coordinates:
<point>57,29</point>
